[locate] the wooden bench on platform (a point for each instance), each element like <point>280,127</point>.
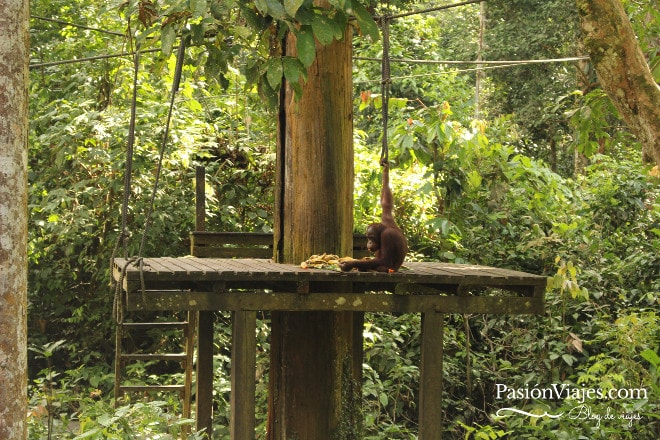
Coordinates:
<point>248,284</point>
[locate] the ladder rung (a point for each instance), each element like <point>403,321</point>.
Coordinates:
<point>158,325</point>
<point>154,357</point>
<point>136,388</point>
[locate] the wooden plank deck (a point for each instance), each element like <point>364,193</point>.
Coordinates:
<point>189,283</point>
<point>191,268</point>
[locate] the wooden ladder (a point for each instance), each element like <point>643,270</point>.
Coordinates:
<point>185,357</point>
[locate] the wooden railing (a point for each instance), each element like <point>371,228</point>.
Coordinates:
<point>248,245</point>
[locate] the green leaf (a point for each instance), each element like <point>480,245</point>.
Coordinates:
<point>106,420</point>
<point>292,69</point>
<point>305,16</point>
<point>197,32</point>
<point>306,46</point>
<point>167,38</point>
<point>382,397</point>
<point>297,89</point>
<point>406,142</point>
<point>367,24</point>
<point>568,359</point>
<point>262,6</point>
<point>397,103</point>
<point>292,6</point>
<point>217,10</point>
<point>197,8</point>
<point>214,63</point>
<point>323,29</point>
<point>253,19</point>
<point>276,10</point>
<point>89,434</point>
<point>338,4</point>
<point>267,93</point>
<point>655,68</point>
<point>274,72</point>
<point>474,179</point>
<point>651,356</point>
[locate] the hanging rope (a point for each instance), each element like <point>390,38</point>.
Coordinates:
<point>123,235</point>
<point>122,241</point>
<point>175,88</point>
<point>386,81</point>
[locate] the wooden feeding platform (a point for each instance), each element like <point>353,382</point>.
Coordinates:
<point>248,284</point>
<point>241,284</point>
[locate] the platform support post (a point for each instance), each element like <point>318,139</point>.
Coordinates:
<point>204,376</point>
<point>430,383</point>
<point>243,365</point>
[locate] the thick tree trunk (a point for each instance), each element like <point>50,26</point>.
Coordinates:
<point>316,356</point>
<point>622,70</point>
<point>13,218</point>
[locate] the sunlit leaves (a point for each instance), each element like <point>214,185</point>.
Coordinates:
<point>652,357</point>
<point>474,179</point>
<point>566,280</point>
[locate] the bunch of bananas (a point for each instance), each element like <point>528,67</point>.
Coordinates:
<point>324,261</point>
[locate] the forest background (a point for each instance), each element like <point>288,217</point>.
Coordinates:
<point>540,176</point>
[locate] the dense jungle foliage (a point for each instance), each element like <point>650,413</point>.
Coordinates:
<point>547,181</point>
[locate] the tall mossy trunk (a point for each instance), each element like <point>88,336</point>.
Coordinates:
<point>14,56</point>
<point>316,357</point>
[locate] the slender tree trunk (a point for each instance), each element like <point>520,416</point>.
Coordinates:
<point>622,70</point>
<point>316,356</point>
<point>13,218</point>
<point>480,76</point>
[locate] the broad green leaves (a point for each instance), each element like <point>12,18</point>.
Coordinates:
<point>291,6</point>
<point>167,38</point>
<point>256,30</point>
<point>272,8</point>
<point>197,8</point>
<point>274,72</point>
<point>306,46</point>
<point>367,24</point>
<point>325,29</point>
<point>293,69</point>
